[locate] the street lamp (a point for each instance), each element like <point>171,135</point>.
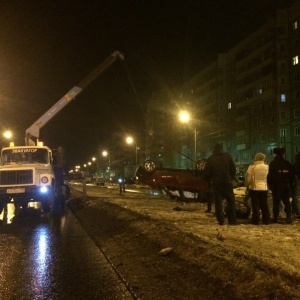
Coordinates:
<point>8,134</point>
<point>106,154</point>
<point>130,141</point>
<point>95,167</point>
<point>184,117</point>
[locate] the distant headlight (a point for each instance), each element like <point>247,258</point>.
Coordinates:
<point>44,189</point>
<point>44,179</point>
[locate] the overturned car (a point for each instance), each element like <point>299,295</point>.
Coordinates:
<point>176,183</point>
<point>186,184</point>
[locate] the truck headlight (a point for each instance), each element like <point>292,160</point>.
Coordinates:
<point>44,189</point>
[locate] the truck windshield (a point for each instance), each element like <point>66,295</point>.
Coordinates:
<point>24,156</point>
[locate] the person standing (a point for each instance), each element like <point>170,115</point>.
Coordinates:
<point>121,181</point>
<point>296,187</point>
<point>256,181</point>
<point>280,180</point>
<point>220,171</point>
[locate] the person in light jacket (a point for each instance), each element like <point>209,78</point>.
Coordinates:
<point>256,181</point>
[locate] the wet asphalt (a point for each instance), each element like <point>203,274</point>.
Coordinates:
<point>52,257</point>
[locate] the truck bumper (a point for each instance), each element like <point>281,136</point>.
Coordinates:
<point>29,192</point>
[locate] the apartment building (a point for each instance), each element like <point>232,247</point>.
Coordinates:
<point>248,99</point>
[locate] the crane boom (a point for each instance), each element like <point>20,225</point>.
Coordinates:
<point>34,129</point>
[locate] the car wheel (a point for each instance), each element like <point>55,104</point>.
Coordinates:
<point>201,165</point>
<point>149,166</point>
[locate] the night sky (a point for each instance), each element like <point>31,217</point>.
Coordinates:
<point>47,47</point>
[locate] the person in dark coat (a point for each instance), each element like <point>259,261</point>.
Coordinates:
<point>220,171</point>
<point>280,180</point>
<point>296,187</point>
<point>121,181</point>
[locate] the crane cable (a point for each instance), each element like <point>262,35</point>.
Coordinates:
<point>134,90</point>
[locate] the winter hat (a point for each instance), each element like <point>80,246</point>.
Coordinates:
<point>259,157</point>
<point>278,151</point>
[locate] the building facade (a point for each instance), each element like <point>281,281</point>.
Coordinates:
<point>248,99</point>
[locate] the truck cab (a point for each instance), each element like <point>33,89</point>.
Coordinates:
<point>27,175</point>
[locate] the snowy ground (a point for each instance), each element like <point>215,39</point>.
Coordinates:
<point>247,261</point>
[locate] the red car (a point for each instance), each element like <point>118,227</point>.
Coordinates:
<point>183,184</point>
<point>178,183</point>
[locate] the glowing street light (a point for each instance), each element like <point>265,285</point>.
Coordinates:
<point>130,141</point>
<point>106,154</point>
<point>184,117</point>
<point>7,134</point>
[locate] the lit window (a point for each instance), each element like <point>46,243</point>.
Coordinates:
<point>283,132</point>
<point>259,90</point>
<point>295,60</point>
<point>282,98</point>
<point>229,105</point>
<point>297,131</point>
<point>295,25</point>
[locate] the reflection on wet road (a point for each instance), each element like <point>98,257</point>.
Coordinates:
<point>51,257</point>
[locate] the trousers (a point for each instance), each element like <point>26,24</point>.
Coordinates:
<point>221,192</point>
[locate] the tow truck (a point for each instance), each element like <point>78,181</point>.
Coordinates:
<point>28,173</point>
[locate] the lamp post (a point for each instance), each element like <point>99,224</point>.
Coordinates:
<point>89,168</point>
<point>106,154</point>
<point>130,141</point>
<point>184,117</point>
<point>95,167</point>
